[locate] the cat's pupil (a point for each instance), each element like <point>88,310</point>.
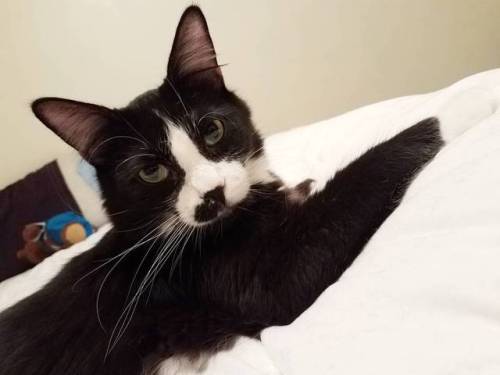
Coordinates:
<point>151,170</point>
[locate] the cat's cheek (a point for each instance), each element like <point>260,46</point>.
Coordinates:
<point>258,170</point>
<point>187,201</point>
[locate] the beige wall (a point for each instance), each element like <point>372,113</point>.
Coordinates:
<point>294,61</point>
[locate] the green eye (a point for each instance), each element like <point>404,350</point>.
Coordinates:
<point>153,174</point>
<point>213,132</point>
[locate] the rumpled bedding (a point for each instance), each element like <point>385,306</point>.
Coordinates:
<point>37,197</point>
<point>424,295</point>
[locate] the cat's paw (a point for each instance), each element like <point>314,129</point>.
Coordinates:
<point>300,192</point>
<point>182,365</point>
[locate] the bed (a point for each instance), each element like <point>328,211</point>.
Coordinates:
<point>424,295</point>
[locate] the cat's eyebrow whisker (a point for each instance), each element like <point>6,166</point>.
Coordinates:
<point>129,124</point>
<point>208,114</point>
<point>132,157</point>
<point>94,149</point>
<point>180,99</point>
<point>163,106</point>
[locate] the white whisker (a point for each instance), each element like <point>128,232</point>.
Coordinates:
<point>94,149</point>
<point>132,157</point>
<point>125,318</point>
<point>123,255</point>
<point>107,261</point>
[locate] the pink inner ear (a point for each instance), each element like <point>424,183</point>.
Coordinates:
<point>197,50</point>
<point>76,123</point>
<point>193,50</point>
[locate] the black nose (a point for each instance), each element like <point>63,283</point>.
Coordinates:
<point>213,204</point>
<point>215,197</point>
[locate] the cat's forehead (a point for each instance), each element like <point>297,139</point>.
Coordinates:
<point>151,114</point>
<point>164,107</point>
<point>165,117</point>
<point>167,133</point>
<point>155,110</point>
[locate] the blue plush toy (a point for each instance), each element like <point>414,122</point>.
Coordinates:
<point>59,232</point>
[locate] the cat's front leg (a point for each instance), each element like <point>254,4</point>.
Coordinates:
<point>187,337</point>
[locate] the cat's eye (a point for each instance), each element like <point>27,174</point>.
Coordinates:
<point>213,131</point>
<point>154,173</point>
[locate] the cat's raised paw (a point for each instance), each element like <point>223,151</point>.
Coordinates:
<point>300,192</point>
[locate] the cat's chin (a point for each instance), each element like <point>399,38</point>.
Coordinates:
<point>226,212</point>
<point>221,215</point>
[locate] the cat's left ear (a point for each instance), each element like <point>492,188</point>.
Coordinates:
<point>192,58</point>
<point>81,125</point>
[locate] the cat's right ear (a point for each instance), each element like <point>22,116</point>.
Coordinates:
<point>192,58</point>
<point>81,125</point>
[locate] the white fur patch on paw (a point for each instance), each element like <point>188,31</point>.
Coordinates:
<point>181,365</point>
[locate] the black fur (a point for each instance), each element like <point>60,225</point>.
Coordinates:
<point>262,265</point>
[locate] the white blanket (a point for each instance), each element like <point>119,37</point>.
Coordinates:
<point>424,296</point>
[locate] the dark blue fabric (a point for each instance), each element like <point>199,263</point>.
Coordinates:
<point>35,198</point>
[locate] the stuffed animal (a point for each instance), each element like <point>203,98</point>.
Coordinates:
<point>42,239</point>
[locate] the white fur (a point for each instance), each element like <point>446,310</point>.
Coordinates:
<point>236,181</point>
<point>258,170</point>
<point>203,175</point>
<point>183,148</point>
<point>181,365</point>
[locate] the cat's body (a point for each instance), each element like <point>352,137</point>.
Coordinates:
<point>263,267</point>
<point>206,244</point>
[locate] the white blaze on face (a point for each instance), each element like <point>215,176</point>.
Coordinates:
<point>203,175</point>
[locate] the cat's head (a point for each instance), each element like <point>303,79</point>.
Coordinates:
<point>184,152</point>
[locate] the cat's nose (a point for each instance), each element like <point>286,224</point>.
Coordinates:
<point>215,198</point>
<point>214,204</point>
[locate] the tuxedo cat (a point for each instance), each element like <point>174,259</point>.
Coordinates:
<point>207,244</point>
